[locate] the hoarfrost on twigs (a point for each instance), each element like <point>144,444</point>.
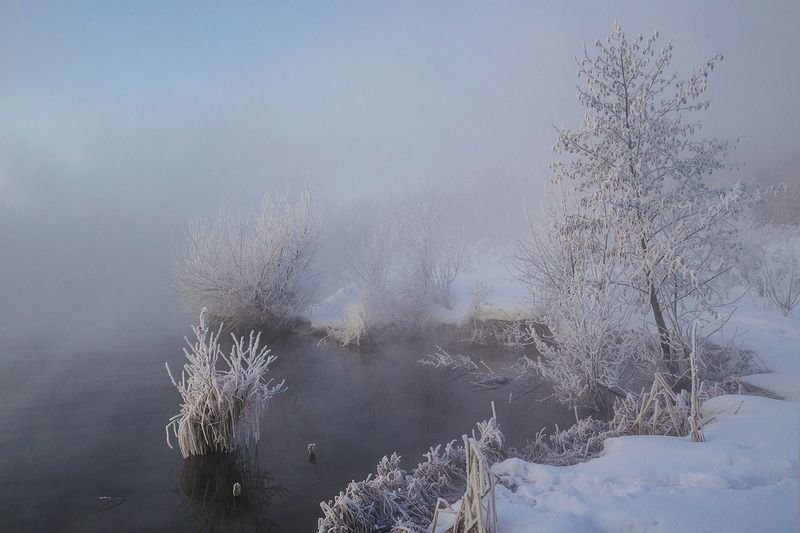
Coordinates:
<point>221,405</point>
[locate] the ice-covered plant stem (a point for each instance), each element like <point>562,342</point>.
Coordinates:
<point>221,405</point>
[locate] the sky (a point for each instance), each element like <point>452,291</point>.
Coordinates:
<point>119,120</point>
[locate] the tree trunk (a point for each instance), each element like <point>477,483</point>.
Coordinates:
<point>670,363</point>
<point>663,333</point>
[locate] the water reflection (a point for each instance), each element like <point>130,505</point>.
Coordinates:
<point>206,484</point>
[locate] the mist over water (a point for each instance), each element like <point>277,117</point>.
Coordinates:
<point>117,124</point>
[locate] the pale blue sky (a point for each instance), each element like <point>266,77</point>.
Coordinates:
<point>118,119</point>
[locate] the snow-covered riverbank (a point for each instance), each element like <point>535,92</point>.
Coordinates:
<point>743,478</point>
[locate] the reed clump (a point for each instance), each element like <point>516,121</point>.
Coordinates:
<point>224,397</point>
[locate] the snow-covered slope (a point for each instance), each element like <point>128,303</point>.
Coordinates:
<point>776,340</point>
<point>742,479</point>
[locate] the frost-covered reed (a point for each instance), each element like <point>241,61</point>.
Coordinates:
<point>353,329</point>
<point>659,411</point>
<point>476,512</point>
<point>221,405</point>
<point>578,443</point>
<point>404,502</point>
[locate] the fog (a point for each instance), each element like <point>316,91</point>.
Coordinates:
<point>119,122</point>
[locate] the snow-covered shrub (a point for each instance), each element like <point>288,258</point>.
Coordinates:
<point>587,343</point>
<point>727,361</point>
<point>481,331</point>
<point>394,498</point>
<point>428,258</point>
<point>249,272</point>
<point>223,397</point>
<point>446,267</point>
<point>780,276</point>
<point>578,443</point>
<point>406,264</point>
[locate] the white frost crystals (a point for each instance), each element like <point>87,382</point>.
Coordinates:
<point>252,272</point>
<point>221,404</point>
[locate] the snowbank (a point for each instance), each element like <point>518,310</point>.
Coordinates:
<point>743,478</point>
<point>776,340</point>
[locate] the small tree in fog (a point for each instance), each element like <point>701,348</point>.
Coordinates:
<point>635,170</point>
<point>407,264</point>
<point>252,272</point>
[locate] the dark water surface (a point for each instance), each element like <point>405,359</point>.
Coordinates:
<point>76,427</point>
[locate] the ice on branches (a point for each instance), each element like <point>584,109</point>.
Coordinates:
<point>252,272</point>
<point>221,406</point>
<point>635,198</point>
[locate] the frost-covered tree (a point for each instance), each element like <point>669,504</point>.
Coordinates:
<point>249,272</point>
<point>636,172</point>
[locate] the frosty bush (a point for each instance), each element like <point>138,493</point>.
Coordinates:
<point>587,344</point>
<point>428,260</point>
<point>780,276</point>
<point>406,265</point>
<point>221,405</point>
<point>578,443</point>
<point>252,272</point>
<point>353,329</point>
<point>445,269</point>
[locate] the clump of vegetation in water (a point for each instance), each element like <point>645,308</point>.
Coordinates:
<point>221,404</point>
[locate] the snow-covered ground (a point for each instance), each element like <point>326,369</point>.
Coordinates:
<point>743,478</point>
<point>776,340</point>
